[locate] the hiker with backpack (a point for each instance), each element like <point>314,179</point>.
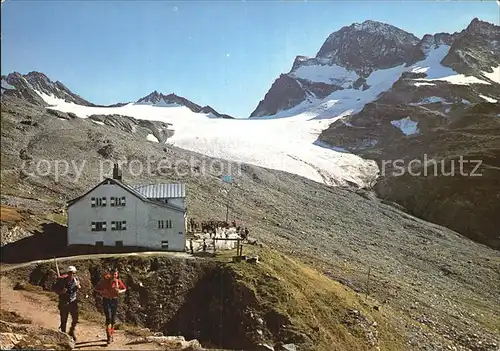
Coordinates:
<point>66,287</point>
<point>110,287</point>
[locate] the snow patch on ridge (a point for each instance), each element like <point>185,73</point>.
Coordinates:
<point>6,85</point>
<point>151,137</point>
<point>406,125</point>
<point>161,103</point>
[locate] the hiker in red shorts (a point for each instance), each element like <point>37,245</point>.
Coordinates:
<point>110,287</point>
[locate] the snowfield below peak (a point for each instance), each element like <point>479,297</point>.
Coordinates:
<point>288,140</point>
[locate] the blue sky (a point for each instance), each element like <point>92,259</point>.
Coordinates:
<point>220,53</point>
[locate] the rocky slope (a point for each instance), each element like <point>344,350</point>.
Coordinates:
<point>418,269</point>
<point>29,320</point>
<point>441,120</point>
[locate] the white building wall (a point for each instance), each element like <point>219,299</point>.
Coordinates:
<point>152,236</point>
<point>141,217</point>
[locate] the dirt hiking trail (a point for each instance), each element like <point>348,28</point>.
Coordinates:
<point>43,312</point>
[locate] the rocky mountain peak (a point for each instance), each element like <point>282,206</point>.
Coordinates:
<point>366,46</point>
<point>37,75</point>
<point>477,25</point>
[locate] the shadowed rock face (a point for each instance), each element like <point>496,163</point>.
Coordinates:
<point>31,337</point>
<point>451,121</point>
<point>476,49</point>
<point>161,130</point>
<point>446,132</point>
<point>360,48</point>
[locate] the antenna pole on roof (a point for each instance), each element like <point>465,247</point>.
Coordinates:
<point>227,179</point>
